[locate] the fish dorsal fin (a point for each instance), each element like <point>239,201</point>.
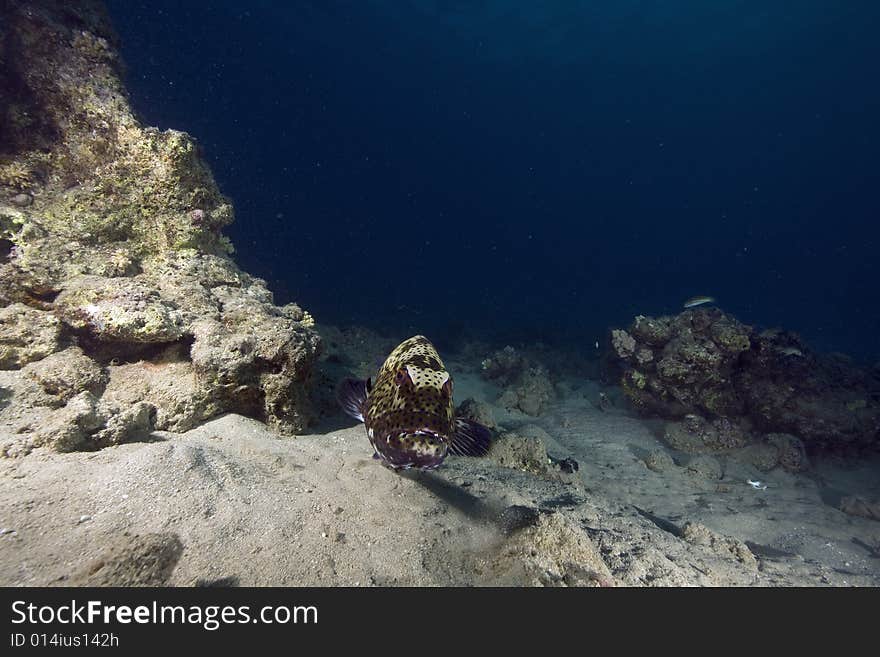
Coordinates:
<point>470,438</point>
<point>352,397</point>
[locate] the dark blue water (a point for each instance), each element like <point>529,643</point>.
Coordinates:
<point>532,169</point>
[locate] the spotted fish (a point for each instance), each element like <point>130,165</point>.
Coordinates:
<point>408,412</point>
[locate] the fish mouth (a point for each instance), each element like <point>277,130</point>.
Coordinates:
<point>422,448</point>
<point>424,432</point>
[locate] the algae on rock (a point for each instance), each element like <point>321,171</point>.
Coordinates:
<point>111,251</point>
<point>706,364</point>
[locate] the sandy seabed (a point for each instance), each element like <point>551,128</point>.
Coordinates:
<point>231,503</point>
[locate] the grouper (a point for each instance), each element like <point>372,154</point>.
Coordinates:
<point>408,412</point>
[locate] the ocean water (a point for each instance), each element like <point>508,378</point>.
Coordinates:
<point>535,171</point>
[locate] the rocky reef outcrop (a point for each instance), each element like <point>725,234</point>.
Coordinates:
<point>526,382</point>
<point>731,383</point>
<point>116,283</point>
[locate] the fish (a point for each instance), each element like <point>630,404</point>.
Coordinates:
<point>408,412</point>
<point>693,302</point>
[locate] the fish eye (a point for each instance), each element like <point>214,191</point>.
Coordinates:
<point>401,377</point>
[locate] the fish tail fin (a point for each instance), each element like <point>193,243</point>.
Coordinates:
<point>470,438</point>
<point>352,397</point>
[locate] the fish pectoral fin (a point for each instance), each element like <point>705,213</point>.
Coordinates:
<point>352,397</point>
<point>470,438</point>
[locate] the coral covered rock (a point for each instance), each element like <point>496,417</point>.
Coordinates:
<point>527,384</point>
<point>705,363</point>
<point>478,411</point>
<point>26,335</point>
<point>67,373</point>
<point>825,400</point>
<point>504,366</point>
<point>790,452</point>
<point>118,310</point>
<point>89,423</point>
<point>697,534</point>
<point>111,253</point>
<point>695,434</point>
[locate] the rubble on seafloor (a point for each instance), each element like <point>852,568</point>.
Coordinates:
<point>526,383</point>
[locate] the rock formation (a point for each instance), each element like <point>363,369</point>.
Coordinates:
<point>116,283</point>
<point>708,366</point>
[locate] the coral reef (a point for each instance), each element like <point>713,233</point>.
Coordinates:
<point>113,267</point>
<point>703,363</point>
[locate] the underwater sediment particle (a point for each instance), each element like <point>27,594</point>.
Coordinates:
<point>26,335</point>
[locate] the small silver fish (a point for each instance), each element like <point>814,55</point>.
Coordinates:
<point>698,301</point>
